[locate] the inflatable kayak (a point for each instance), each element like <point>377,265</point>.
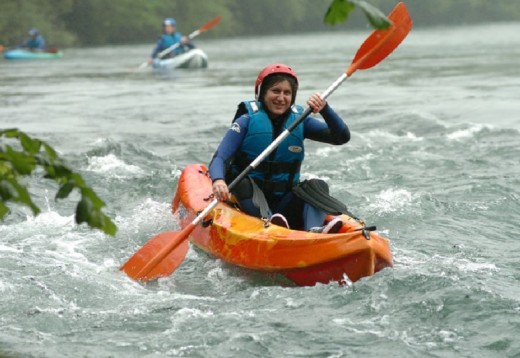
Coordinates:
<point>304,258</point>
<point>195,58</point>
<point>21,54</point>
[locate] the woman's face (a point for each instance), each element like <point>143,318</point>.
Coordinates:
<point>169,29</point>
<point>278,98</point>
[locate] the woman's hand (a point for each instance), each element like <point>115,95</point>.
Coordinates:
<point>316,102</point>
<point>221,190</point>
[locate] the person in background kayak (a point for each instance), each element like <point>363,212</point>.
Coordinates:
<point>35,42</point>
<point>256,124</point>
<point>169,38</point>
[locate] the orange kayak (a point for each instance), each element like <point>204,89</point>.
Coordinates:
<point>302,257</point>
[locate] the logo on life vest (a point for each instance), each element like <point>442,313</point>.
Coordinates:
<point>295,149</point>
<point>235,127</point>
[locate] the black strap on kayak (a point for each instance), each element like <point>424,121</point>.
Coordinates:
<point>316,193</point>
<point>248,189</point>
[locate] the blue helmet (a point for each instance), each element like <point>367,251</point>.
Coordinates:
<point>34,32</point>
<point>170,21</point>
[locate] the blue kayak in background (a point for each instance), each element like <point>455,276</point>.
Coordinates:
<point>23,54</point>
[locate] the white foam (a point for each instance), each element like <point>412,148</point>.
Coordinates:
<point>467,132</point>
<point>327,151</point>
<point>150,216</point>
<point>290,302</point>
<point>4,248</point>
<point>48,221</point>
<point>411,136</point>
<point>392,200</point>
<point>441,265</point>
<point>68,248</point>
<point>188,314</point>
<point>357,159</point>
<point>4,286</point>
<point>381,135</point>
<point>115,167</point>
<point>216,274</point>
<point>479,267</point>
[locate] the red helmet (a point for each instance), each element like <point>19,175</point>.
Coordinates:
<point>272,69</point>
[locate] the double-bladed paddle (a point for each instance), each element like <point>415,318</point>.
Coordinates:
<point>194,34</point>
<point>162,254</point>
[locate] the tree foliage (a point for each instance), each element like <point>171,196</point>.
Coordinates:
<point>340,10</point>
<point>22,156</point>
<point>100,22</point>
<point>17,17</point>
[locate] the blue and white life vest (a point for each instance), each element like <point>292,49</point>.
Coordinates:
<point>280,171</point>
<point>170,40</point>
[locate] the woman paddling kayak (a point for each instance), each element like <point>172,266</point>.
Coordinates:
<point>269,188</point>
<point>169,38</point>
<point>35,42</point>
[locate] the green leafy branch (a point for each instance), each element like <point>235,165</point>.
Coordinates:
<point>32,153</point>
<point>340,10</point>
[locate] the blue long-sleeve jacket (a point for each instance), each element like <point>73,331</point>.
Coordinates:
<point>165,41</point>
<point>35,43</point>
<point>333,131</point>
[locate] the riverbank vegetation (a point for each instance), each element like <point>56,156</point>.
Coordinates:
<point>99,22</point>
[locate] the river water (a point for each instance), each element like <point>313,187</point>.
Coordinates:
<point>433,162</point>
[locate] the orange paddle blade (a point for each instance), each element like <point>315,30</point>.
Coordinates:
<point>210,24</point>
<point>381,43</point>
<point>160,256</point>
